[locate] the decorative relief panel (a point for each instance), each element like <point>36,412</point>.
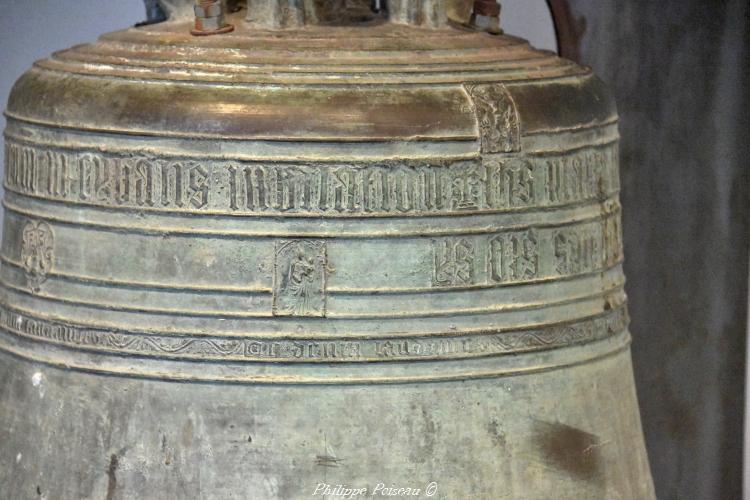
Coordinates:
<point>300,278</point>
<point>388,188</point>
<point>497,115</point>
<point>37,252</point>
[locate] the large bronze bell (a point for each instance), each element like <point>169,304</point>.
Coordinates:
<point>304,248</point>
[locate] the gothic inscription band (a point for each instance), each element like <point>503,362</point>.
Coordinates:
<point>248,349</point>
<point>527,255</point>
<point>245,188</point>
<point>298,284</point>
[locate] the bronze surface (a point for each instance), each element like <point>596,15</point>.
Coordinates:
<point>394,247</point>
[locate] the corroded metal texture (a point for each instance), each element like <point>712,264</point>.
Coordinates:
<point>210,18</point>
<point>245,265</point>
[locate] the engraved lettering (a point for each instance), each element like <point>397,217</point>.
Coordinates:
<point>541,338</point>
<point>199,179</point>
<point>87,167</point>
<point>233,190</point>
<point>467,187</point>
<point>514,256</point>
<point>575,251</point>
<point>512,183</point>
<point>375,193</point>
<point>399,187</point>
<point>454,262</point>
<point>144,183</point>
<point>103,180</point>
<point>171,184</point>
<point>122,182</point>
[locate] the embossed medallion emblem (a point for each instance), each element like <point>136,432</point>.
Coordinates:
<point>37,252</point>
<point>499,123</point>
<point>300,278</point>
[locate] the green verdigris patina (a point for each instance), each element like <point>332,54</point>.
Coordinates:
<point>270,263</point>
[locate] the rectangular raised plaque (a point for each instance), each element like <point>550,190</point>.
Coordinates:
<point>299,278</point>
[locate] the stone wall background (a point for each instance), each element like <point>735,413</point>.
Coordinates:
<point>680,70</point>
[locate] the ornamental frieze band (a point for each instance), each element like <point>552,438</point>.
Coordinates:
<point>495,183</point>
<point>216,349</point>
